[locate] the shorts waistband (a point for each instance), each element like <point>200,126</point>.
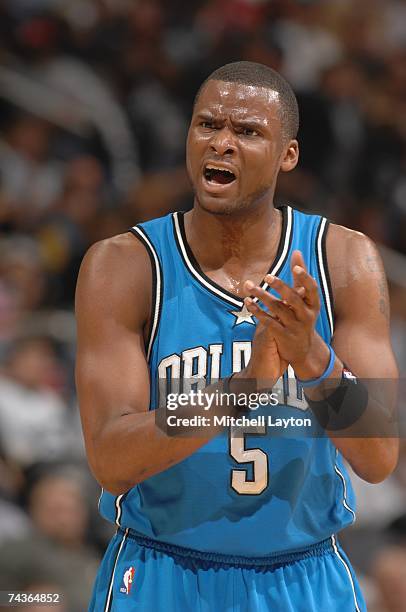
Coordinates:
<point>270,562</point>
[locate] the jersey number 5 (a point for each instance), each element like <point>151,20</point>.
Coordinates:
<point>240,481</point>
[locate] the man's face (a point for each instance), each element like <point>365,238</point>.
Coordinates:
<point>235,146</point>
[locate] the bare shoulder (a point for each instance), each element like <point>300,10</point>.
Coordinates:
<point>355,267</point>
<point>351,255</point>
<point>115,274</point>
<point>123,250</point>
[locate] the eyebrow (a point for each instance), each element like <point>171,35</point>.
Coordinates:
<point>247,122</point>
<point>252,123</point>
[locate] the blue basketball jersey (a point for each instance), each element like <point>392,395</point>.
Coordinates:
<point>279,489</point>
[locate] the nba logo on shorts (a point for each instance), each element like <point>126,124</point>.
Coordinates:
<point>128,578</point>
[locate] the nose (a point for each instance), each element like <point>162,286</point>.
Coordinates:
<point>223,142</point>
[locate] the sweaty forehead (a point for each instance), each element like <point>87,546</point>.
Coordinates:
<point>240,99</point>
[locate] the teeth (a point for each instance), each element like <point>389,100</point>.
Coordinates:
<point>211,167</point>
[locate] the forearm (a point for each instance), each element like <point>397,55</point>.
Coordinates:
<point>367,435</point>
<point>372,459</point>
<point>132,448</point>
<point>360,421</point>
<point>136,445</point>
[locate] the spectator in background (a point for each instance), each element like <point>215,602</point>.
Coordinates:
<point>56,551</point>
<point>22,271</point>
<point>389,572</point>
<point>31,177</point>
<point>397,295</point>
<point>343,86</point>
<point>35,423</point>
<point>309,47</point>
<point>10,315</point>
<point>388,566</point>
<point>14,522</point>
<point>69,92</point>
<point>66,231</point>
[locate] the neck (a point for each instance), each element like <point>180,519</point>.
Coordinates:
<point>219,241</point>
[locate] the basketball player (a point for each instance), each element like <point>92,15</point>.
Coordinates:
<point>234,290</point>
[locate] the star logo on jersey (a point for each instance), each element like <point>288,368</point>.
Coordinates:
<point>242,316</point>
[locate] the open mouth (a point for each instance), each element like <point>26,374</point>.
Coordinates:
<point>218,176</point>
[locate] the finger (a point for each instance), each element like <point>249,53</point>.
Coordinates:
<point>299,272</point>
<point>297,260</point>
<point>262,316</point>
<point>288,294</point>
<point>303,279</point>
<point>279,308</point>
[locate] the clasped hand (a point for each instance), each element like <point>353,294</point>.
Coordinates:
<point>285,332</point>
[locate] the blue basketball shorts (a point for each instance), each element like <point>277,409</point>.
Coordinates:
<point>141,575</point>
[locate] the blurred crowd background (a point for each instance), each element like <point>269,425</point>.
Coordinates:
<point>95,99</point>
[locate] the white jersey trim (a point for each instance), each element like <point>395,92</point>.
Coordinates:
<point>195,273</point>
<point>100,498</point>
<point>323,273</point>
<point>158,288</point>
<point>110,588</point>
<point>278,265</point>
<point>344,500</point>
<point>336,552</point>
<point>213,288</point>
<point>118,509</point>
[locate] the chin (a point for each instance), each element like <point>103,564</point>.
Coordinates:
<point>219,206</point>
<point>227,206</point>
<point>227,209</point>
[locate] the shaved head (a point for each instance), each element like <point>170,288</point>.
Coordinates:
<point>259,75</point>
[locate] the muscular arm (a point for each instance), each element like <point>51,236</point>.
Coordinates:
<point>362,339</point>
<point>113,304</point>
<point>113,299</point>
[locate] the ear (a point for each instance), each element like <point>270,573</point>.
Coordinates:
<point>290,156</point>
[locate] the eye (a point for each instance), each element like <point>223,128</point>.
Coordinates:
<point>247,131</point>
<point>207,125</point>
